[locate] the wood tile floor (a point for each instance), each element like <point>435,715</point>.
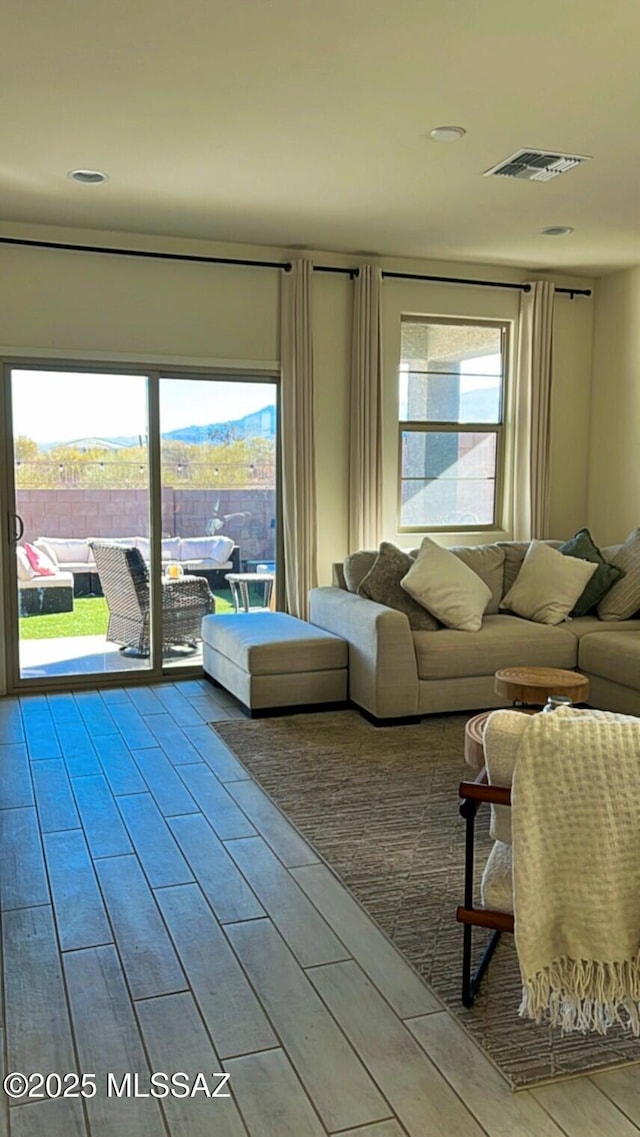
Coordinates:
<point>160,914</point>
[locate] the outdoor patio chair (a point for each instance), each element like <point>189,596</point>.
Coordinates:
<point>125,582</point>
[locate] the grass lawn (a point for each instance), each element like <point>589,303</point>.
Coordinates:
<point>89,618</point>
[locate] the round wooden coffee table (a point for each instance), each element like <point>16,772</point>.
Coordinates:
<point>534,685</point>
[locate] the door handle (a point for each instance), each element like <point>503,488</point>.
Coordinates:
<point>17,524</point>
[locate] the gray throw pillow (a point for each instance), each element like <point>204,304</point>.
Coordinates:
<point>382,584</point>
<point>623,600</point>
<point>356,566</point>
<point>606,575</point>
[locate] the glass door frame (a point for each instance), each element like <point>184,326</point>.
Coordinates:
<point>17,684</point>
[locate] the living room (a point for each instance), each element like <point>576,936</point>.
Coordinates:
<point>269,132</point>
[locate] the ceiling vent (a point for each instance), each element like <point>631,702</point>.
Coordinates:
<point>536,165</point>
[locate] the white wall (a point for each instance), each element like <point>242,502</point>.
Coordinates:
<point>614,471</point>
<point>95,307</point>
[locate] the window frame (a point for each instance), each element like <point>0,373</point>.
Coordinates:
<point>432,426</point>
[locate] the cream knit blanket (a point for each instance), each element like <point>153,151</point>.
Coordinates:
<point>576,857</point>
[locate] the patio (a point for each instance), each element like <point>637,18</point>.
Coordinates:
<point>74,643</point>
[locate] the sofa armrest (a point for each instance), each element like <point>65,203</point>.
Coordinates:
<point>383,674</point>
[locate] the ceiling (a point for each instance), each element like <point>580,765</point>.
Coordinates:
<point>305,123</point>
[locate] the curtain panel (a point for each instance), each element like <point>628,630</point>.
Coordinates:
<point>531,497</point>
<point>299,504</point>
<point>365,441</point>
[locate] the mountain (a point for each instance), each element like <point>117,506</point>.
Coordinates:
<point>257,424</point>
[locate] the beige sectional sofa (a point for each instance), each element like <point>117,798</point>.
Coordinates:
<point>396,673</point>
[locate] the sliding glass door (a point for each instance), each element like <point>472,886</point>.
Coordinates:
<point>80,474</point>
<point>133,496</point>
<point>218,454</point>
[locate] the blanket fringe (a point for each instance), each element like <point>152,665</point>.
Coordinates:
<point>584,995</point>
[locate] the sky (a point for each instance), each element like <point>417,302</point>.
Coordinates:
<point>59,406</point>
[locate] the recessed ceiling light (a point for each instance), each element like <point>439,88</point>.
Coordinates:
<point>88,177</point>
<point>556,231</point>
<point>447,133</point>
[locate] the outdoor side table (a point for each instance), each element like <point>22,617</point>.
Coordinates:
<point>239,583</point>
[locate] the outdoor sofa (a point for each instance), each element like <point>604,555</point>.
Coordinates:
<point>210,557</point>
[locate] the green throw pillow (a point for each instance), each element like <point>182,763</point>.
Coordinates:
<point>584,548</point>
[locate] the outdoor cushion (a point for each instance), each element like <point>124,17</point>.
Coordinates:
<point>25,572</point>
<point>41,564</point>
<point>170,547</point>
<point>216,549</point>
<point>64,550</point>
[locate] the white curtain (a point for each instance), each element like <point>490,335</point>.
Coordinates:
<point>299,508</point>
<point>365,443</point>
<point>532,442</point>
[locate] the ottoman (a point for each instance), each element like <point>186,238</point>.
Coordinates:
<point>269,660</point>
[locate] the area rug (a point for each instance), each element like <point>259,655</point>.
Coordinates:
<point>380,805</point>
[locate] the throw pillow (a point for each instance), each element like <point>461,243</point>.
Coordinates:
<point>487,561</point>
<point>25,572</point>
<point>382,584</point>
<point>548,586</point>
<point>514,554</point>
<point>39,561</point>
<point>356,566</point>
<point>440,581</point>
<point>584,547</point>
<point>623,600</point>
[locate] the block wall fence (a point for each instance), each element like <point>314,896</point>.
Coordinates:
<point>81,513</point>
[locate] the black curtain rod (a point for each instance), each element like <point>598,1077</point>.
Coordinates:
<point>485,283</point>
<point>286,265</point>
<point>150,255</point>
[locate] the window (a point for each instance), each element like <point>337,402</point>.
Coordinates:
<point>450,423</point>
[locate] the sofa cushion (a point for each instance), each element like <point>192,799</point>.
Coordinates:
<point>170,547</point>
<point>382,584</point>
<point>273,643</point>
<point>217,549</point>
<point>487,561</point>
<point>64,550</point>
<point>548,585</point>
<point>503,641</point>
<point>514,554</point>
<point>623,600</point>
<point>357,565</point>
<point>580,626</point>
<point>605,576</point>
<point>614,656</point>
<point>447,587</point>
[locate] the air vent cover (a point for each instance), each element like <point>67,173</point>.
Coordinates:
<point>536,165</point>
